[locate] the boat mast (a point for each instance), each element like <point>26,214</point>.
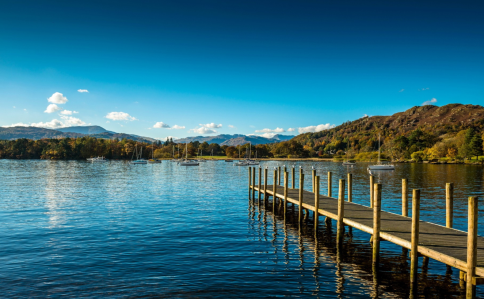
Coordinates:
<point>378,148</point>
<point>186,151</point>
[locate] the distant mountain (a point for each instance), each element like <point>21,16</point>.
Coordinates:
<point>235,139</point>
<point>33,133</point>
<point>39,133</point>
<point>88,130</point>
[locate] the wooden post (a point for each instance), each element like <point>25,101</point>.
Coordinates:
<point>404,198</point>
<point>293,177</point>
<point>316,203</point>
<point>265,187</point>
<point>279,175</point>
<point>274,191</point>
<point>376,223</point>
<point>285,193</point>
<point>301,188</point>
<point>329,184</point>
<point>449,205</point>
<point>414,246</point>
<point>260,183</point>
<point>350,187</point>
<point>250,180</point>
<point>313,172</point>
<point>341,213</point>
<point>471,247</point>
<point>371,191</point>
<point>253,183</point>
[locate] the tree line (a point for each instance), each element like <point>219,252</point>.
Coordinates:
<point>87,147</point>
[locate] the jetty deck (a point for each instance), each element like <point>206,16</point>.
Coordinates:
<point>455,248</point>
<point>446,245</point>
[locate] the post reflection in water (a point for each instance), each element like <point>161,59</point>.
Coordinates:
<point>390,277</point>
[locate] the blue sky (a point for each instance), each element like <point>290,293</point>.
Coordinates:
<point>252,65</point>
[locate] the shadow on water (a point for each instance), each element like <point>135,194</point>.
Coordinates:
<point>352,260</point>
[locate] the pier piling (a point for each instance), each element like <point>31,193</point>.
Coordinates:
<point>316,204</point>
<point>341,213</point>
<point>260,183</point>
<point>376,224</point>
<point>274,192</point>
<point>404,197</point>
<point>471,247</point>
<point>350,187</point>
<point>301,192</point>
<point>265,187</point>
<point>449,205</point>
<point>414,241</point>
<point>371,191</point>
<point>329,184</point>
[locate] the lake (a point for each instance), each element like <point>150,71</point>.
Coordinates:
<point>76,229</point>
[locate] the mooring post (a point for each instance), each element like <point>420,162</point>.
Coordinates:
<point>471,247</point>
<point>265,187</point>
<point>260,183</point>
<point>293,181</point>
<point>350,187</point>
<point>404,197</point>
<point>274,191</point>
<point>313,177</point>
<point>414,246</point>
<point>279,174</point>
<point>329,184</point>
<point>376,224</point>
<point>371,191</point>
<point>301,189</point>
<point>250,179</point>
<point>253,183</point>
<point>341,213</point>
<point>316,204</point>
<point>285,193</point>
<point>449,205</point>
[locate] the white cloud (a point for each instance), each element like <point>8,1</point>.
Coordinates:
<point>401,90</point>
<point>291,130</point>
<point>422,89</point>
<point>57,98</point>
<point>82,90</point>
<point>67,121</point>
<point>119,116</point>
<point>177,127</point>
<point>52,108</point>
<point>268,135</point>
<point>276,130</point>
<point>203,130</point>
<point>16,125</point>
<point>25,109</point>
<point>68,112</point>
<point>433,100</point>
<point>211,125</point>
<point>231,126</point>
<point>14,107</point>
<point>317,128</point>
<point>161,124</point>
<point>365,115</point>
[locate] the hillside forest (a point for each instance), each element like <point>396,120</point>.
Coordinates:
<point>451,132</point>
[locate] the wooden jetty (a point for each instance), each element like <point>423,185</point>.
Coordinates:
<point>461,250</point>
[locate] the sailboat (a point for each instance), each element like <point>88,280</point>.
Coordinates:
<point>249,161</point>
<point>201,155</point>
<point>380,166</point>
<point>153,160</point>
<point>187,162</point>
<point>138,160</point>
<point>241,162</point>
<point>347,162</point>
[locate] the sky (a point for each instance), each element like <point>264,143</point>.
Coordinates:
<point>189,68</point>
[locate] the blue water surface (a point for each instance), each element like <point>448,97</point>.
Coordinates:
<point>77,229</point>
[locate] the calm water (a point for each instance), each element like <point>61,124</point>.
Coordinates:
<point>77,229</point>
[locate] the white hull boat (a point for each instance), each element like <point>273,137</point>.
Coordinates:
<point>380,166</point>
